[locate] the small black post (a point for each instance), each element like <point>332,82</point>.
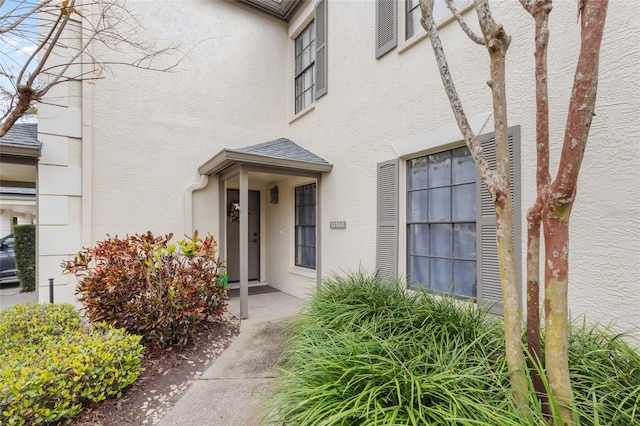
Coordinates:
<point>50,290</point>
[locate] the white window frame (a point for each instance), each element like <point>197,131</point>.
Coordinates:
<point>443,17</point>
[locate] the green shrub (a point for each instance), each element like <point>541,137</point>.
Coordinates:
<point>150,287</point>
<point>50,364</point>
<point>25,250</point>
<point>366,352</point>
<point>605,376</point>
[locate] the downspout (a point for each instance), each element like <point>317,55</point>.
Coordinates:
<point>188,202</point>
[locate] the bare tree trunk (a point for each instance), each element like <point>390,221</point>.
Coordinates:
<point>554,201</point>
<point>497,181</point>
<point>497,42</point>
<point>536,366</point>
<point>22,104</point>
<point>540,11</point>
<point>561,197</point>
<point>556,237</point>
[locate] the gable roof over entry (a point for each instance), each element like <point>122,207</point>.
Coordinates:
<point>280,155</point>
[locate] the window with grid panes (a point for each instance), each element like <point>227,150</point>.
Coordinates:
<point>305,58</point>
<point>441,222</point>
<point>305,228</point>
<point>413,14</point>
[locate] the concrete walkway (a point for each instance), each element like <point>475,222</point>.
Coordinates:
<point>10,295</point>
<point>229,392</point>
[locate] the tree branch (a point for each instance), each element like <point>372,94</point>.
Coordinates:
<point>582,103</point>
<point>22,16</point>
<point>429,25</point>
<point>106,23</point>
<point>463,24</point>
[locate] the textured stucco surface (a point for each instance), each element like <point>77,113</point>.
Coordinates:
<point>151,131</point>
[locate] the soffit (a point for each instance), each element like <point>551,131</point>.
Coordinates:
<point>281,9</point>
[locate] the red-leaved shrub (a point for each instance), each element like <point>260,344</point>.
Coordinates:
<point>149,286</point>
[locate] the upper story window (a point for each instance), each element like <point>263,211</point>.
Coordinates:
<point>310,60</point>
<point>413,14</point>
<point>305,59</point>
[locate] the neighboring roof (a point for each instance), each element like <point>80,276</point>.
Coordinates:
<point>280,154</point>
<point>12,190</point>
<point>21,141</point>
<point>281,9</point>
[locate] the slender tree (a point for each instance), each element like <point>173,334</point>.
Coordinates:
<point>45,43</point>
<point>554,198</point>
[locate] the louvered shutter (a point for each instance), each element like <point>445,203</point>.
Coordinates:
<point>387,220</point>
<point>489,286</point>
<point>386,26</point>
<point>321,48</point>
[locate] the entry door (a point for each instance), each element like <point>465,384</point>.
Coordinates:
<point>233,236</point>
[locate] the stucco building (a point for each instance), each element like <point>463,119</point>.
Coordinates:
<point>328,120</point>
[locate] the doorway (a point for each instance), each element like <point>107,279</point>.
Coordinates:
<point>233,236</point>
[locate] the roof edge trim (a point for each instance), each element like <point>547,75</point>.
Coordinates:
<point>20,150</point>
<point>228,157</point>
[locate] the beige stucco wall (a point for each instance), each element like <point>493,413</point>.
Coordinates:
<point>150,131</point>
<point>374,104</point>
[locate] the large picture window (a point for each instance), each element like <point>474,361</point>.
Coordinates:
<point>441,222</point>
<point>305,227</point>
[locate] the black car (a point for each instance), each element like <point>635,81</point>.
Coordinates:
<point>7,260</point>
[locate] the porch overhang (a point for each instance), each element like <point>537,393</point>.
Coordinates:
<point>277,157</point>
<point>229,158</point>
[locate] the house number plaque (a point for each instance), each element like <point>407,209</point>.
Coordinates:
<point>340,224</point>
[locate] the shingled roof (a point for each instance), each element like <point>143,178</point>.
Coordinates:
<point>283,148</point>
<point>22,134</point>
<point>21,141</point>
<point>280,154</point>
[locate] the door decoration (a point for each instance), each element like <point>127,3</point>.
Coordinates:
<point>234,211</point>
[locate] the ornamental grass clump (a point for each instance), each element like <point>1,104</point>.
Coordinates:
<point>51,365</point>
<point>149,286</point>
<point>367,352</point>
